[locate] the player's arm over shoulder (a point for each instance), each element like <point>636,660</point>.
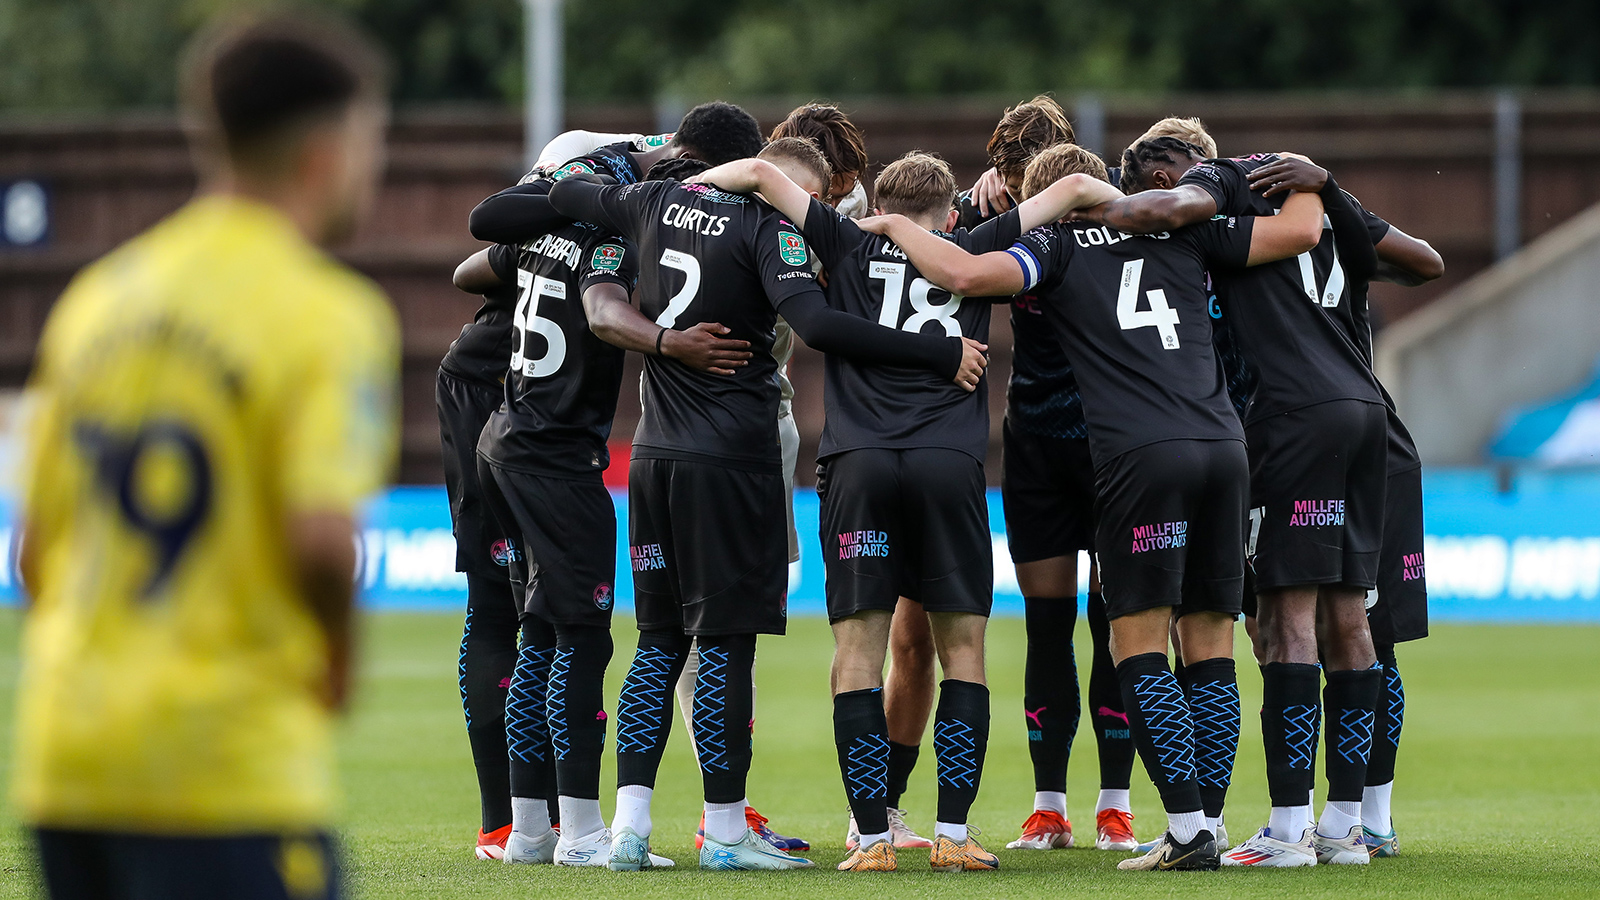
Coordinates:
<point>945,263</point>
<point>1296,229</point>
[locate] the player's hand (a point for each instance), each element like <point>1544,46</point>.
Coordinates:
<point>974,359</point>
<point>1094,215</point>
<point>702,347</point>
<point>1289,174</point>
<point>875,224</point>
<point>990,195</point>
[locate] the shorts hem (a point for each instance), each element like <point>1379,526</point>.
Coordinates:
<point>1265,585</point>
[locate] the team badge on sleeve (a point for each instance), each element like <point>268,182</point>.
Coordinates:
<point>607,258</point>
<point>792,247</point>
<point>572,168</point>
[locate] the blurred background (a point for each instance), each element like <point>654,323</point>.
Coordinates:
<point>1473,124</point>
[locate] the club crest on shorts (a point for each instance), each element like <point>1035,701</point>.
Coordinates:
<point>792,247</point>
<point>503,552</point>
<point>602,596</point>
<point>606,258</point>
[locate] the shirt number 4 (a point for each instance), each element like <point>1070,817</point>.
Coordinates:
<point>1160,316</point>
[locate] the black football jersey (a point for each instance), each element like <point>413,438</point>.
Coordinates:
<point>1403,455</point>
<point>709,256</point>
<point>1131,313</point>
<point>561,389</point>
<point>1294,319</point>
<point>896,407</point>
<point>1042,395</point>
<point>480,352</point>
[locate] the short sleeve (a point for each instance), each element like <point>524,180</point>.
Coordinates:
<point>339,422</point>
<point>830,234</point>
<point>1377,228</point>
<point>1223,180</point>
<point>1224,241</point>
<point>1039,253</point>
<point>503,261</point>
<point>609,260</point>
<point>994,234</point>
<point>783,260</point>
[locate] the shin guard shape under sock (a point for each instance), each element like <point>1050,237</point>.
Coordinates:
<point>1349,702</point>
<point>724,701</point>
<point>1112,734</point>
<point>1391,716</point>
<point>533,772</point>
<point>488,659</point>
<point>1213,692</point>
<point>1162,729</point>
<point>902,759</point>
<point>575,708</point>
<point>1050,701</point>
<point>644,706</point>
<point>861,734</point>
<point>960,741</point>
<point>1290,722</point>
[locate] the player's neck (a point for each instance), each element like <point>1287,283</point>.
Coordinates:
<point>301,204</point>
<point>927,221</point>
<point>651,157</point>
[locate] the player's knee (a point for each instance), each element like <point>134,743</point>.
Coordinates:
<point>1206,635</point>
<point>1054,577</point>
<point>1136,633</point>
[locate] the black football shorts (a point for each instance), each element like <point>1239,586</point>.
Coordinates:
<point>1047,493</point>
<point>565,535</point>
<point>91,865</point>
<point>1170,527</point>
<point>709,547</point>
<point>905,523</point>
<point>1317,483</point>
<point>1398,610</point>
<point>464,407</point>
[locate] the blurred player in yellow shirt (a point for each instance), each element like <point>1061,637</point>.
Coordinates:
<point>214,398</point>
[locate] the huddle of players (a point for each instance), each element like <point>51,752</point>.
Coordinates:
<point>901,477</point>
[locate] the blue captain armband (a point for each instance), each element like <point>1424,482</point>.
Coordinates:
<point>1031,270</point>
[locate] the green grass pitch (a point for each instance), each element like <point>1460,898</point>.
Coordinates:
<point>1498,790</point>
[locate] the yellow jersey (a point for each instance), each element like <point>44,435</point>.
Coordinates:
<point>193,389</point>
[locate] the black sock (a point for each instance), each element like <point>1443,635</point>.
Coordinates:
<point>575,708</point>
<point>533,771</point>
<point>1290,719</point>
<point>1050,702</point>
<point>1391,716</point>
<point>1349,702</point>
<point>488,659</point>
<point>644,707</point>
<point>902,759</point>
<point>861,734</point>
<point>960,741</point>
<point>1112,734</point>
<point>724,702</point>
<point>1162,729</point>
<point>1213,692</point>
